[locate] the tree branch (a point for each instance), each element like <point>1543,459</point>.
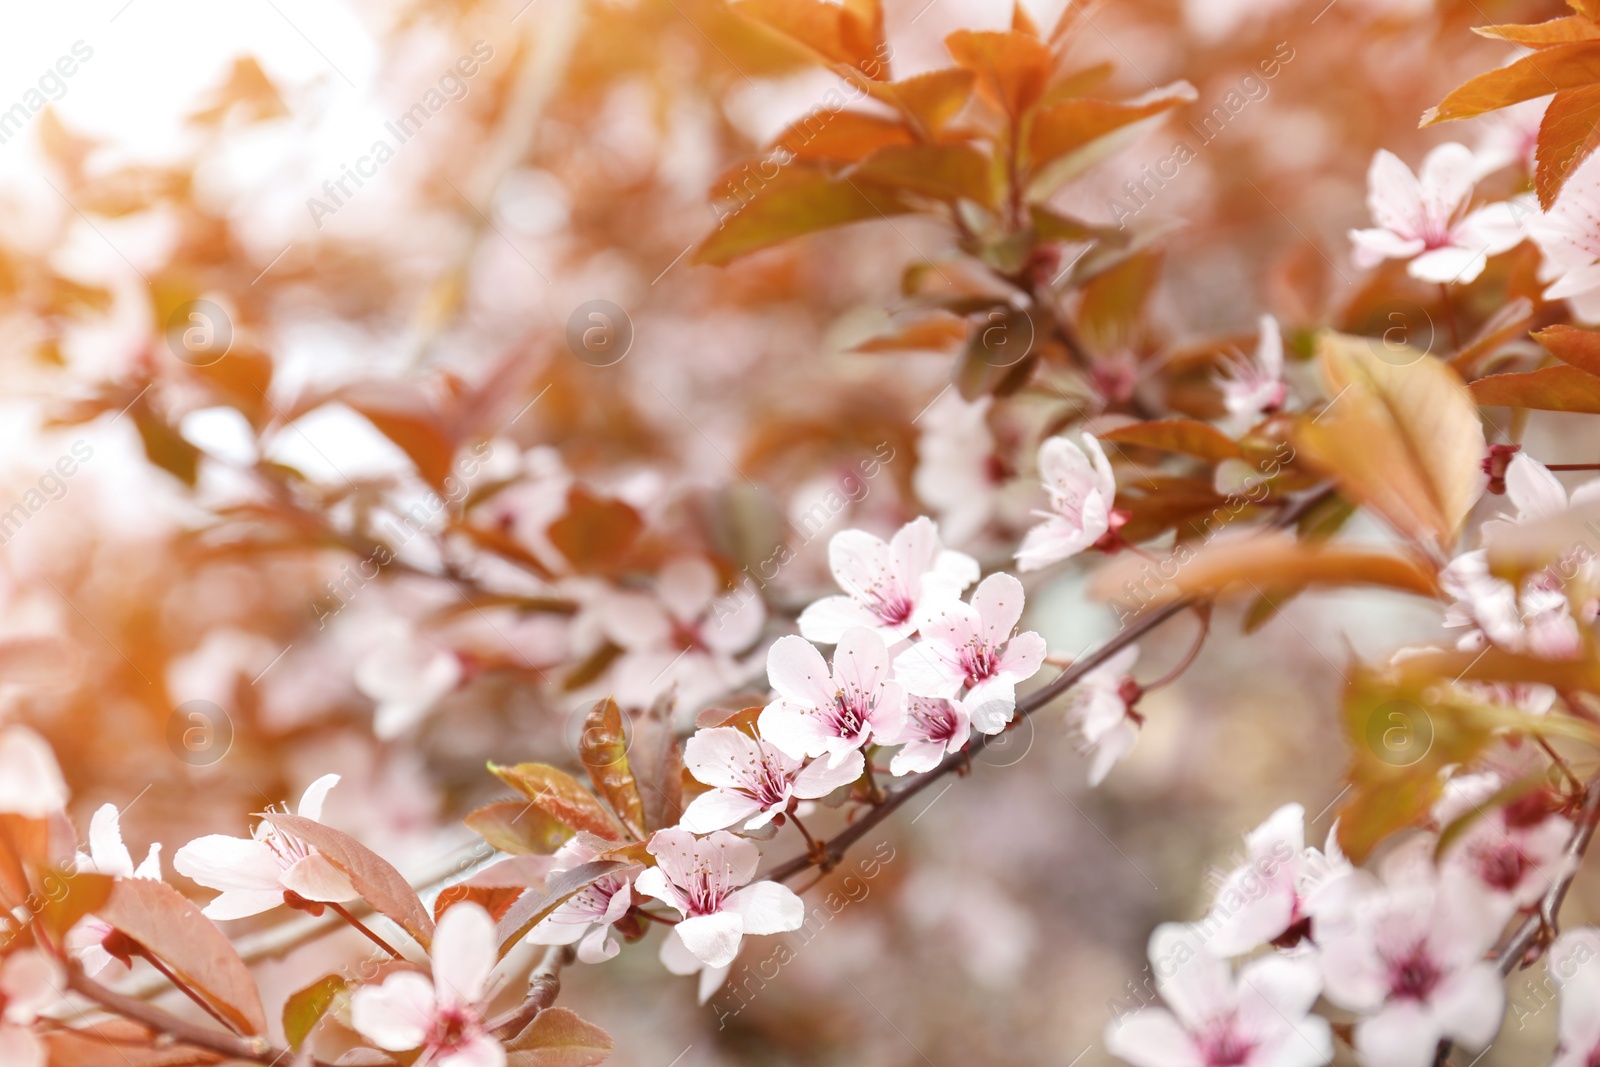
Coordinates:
<point>544,985</point>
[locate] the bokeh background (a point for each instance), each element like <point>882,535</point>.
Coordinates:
<point>177,195</point>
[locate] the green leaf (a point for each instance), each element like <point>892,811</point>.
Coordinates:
<point>305,1009</point>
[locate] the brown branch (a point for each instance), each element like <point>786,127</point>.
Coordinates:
<point>1539,928</point>
<point>544,985</point>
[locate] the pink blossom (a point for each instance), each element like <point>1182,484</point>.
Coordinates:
<point>819,712</point>
<point>1272,896</point>
<point>406,678</point>
<point>1574,964</point>
<point>1409,955</point>
<point>1255,386</point>
<point>1516,850</point>
<point>586,917</point>
<point>1538,622</point>
<point>109,856</point>
<point>975,646</point>
<point>1424,217</point>
<point>934,728</point>
<point>1081,488</point>
<point>253,873</point>
<point>30,981</point>
<point>444,1016</point>
<point>30,779</point>
<point>707,881</point>
<point>1568,236</point>
<point>1100,712</point>
<point>957,474</point>
<point>886,583</point>
<point>753,780</point>
<point>1257,1018</point>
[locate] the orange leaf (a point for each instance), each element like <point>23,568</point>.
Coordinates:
<point>1578,348</point>
<point>1563,66</point>
<point>1544,34</point>
<point>942,171</point>
<point>604,751</point>
<point>374,877</point>
<point>938,333</point>
<point>796,203</point>
<point>931,99</point>
<point>559,795</point>
<point>1568,135</point>
<point>840,137</point>
<point>596,532</point>
<point>1074,124</point>
<point>1562,388</point>
<point>849,33</point>
<point>557,1037</point>
<point>1012,68</point>
<point>1188,436</point>
<point>1589,9</point>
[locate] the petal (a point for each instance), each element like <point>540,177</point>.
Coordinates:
<point>1194,983</point>
<point>917,757</point>
<point>768,908</point>
<point>1051,541</point>
<point>1394,195</point>
<point>1023,656</point>
<point>316,793</point>
<point>653,883</point>
<point>797,671</point>
<point>19,1048</point>
<point>794,731</point>
<point>718,810</point>
<point>818,779</point>
<point>912,552</point>
<point>926,670</point>
<point>241,903</point>
<point>957,567</point>
<point>317,879</point>
<point>598,945</point>
<point>860,662</point>
<point>732,860</point>
<point>687,587</point>
<point>30,779</point>
<point>1374,246</point>
<point>1469,1004</point>
<point>722,756</point>
<point>826,620</point>
<point>478,1051</point>
<point>1111,750</point>
<point>1401,1035</point>
<point>396,1015</point>
<point>1105,480</point>
<point>712,939</point>
<point>221,862</point>
<point>1151,1037</point>
<point>463,953</point>
<point>110,855</point>
<point>151,867</point>
<point>1276,989</point>
<point>860,563</point>
<point>1446,179</point>
<point>1269,350</point>
<point>1533,490</point>
<point>1450,264</point>
<point>998,600</point>
<point>675,955</point>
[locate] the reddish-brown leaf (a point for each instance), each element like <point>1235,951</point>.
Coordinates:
<point>829,137</point>
<point>604,750</point>
<point>560,796</point>
<point>519,827</point>
<point>937,333</point>
<point>118,1043</point>
<point>944,172</point>
<point>596,532</point>
<point>1188,436</point>
<point>1567,30</point>
<point>797,202</point>
<point>849,33</point>
<point>374,877</point>
<point>168,924</point>
<point>930,100</point>
<point>557,1037</point>
<point>1568,135</point>
<point>404,416</point>
<point>1073,124</point>
<point>532,908</point>
<point>1562,388</point>
<point>1549,70</point>
<point>1012,68</point>
<point>1573,346</point>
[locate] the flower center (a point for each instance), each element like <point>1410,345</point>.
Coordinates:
<point>1223,1046</point>
<point>893,609</point>
<point>453,1027</point>
<point>849,712</point>
<point>768,785</point>
<point>1413,976</point>
<point>705,894</point>
<point>978,661</point>
<point>937,720</point>
<point>1502,866</point>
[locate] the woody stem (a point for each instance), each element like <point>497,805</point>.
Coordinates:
<point>366,931</point>
<point>1188,659</point>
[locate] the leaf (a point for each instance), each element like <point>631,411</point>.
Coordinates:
<point>249,89</point>
<point>936,333</point>
<point>1565,30</point>
<point>596,532</point>
<point>518,827</point>
<point>165,446</point>
<point>558,794</point>
<point>170,927</point>
<point>1259,562</point>
<point>557,1037</point>
<point>1568,135</point>
<point>403,415</point>
<point>604,751</point>
<point>1051,225</point>
<point>1012,68</point>
<point>1579,348</point>
<point>1188,436</point>
<point>374,877</point>
<point>930,100</point>
<point>1400,433</point>
<point>533,908</point>
<point>1589,9</point>
<point>1112,307</point>
<point>497,887</point>
<point>838,137</point>
<point>1075,124</point>
<point>1500,329</point>
<point>1549,70</point>
<point>797,202</point>
<point>1562,388</point>
<point>944,172</point>
<point>658,763</point>
<point>305,1009</point>
<point>69,897</point>
<point>130,1042</point>
<point>834,31</point>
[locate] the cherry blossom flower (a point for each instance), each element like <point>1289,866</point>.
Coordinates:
<point>1511,135</point>
<point>586,917</point>
<point>1272,896</point>
<point>934,728</point>
<point>752,780</point>
<point>1423,217</point>
<point>1253,387</point>
<point>109,856</point>
<point>974,645</point>
<point>1538,494</point>
<point>444,1016</point>
<point>707,881</point>
<point>1538,622</point>
<point>1100,710</point>
<point>1257,1018</point>
<point>30,981</point>
<point>1516,849</point>
<point>254,873</point>
<point>1081,488</point>
<point>30,779</point>
<point>687,635</point>
<point>406,678</point>
<point>1569,239</point>
<point>958,474</point>
<point>1574,964</point>
<point>1410,957</point>
<point>834,714</point>
<point>887,583</point>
